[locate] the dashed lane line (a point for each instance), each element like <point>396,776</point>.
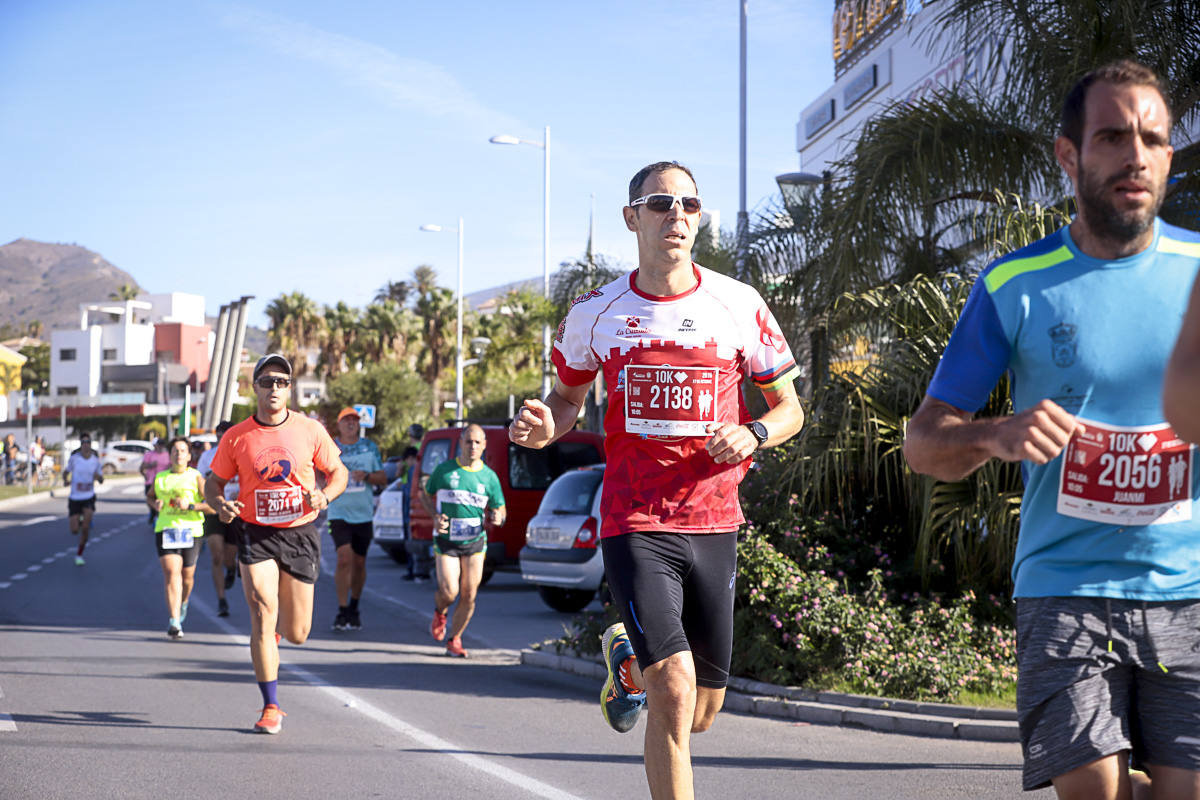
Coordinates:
<point>423,737</point>
<point>39,520</point>
<point>70,551</point>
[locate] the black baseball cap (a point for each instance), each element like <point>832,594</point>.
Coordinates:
<point>269,359</point>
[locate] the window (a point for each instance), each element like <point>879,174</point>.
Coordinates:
<point>436,451</point>
<point>67,354</point>
<point>573,493</point>
<point>68,390</point>
<point>535,469</point>
<point>109,354</point>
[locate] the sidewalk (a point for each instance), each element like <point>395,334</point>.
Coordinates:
<point>831,708</point>
<point>60,492</point>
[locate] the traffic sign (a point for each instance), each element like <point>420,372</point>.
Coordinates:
<point>366,414</point>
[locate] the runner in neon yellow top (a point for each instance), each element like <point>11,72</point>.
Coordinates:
<point>177,494</point>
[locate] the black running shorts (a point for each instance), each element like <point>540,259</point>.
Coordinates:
<point>214,527</point>
<point>76,507</point>
<point>674,592</point>
<point>442,546</point>
<point>356,534</point>
<point>297,550</point>
<point>190,554</point>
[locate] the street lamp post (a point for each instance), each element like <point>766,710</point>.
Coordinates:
<point>458,347</point>
<point>545,146</point>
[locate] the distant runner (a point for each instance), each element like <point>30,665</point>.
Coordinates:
<point>222,547</point>
<point>273,455</point>
<point>82,474</point>
<point>350,517</point>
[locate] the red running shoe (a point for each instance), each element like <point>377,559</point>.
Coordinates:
<point>438,628</point>
<point>271,720</point>
<point>454,648</point>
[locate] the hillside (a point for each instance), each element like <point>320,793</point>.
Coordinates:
<point>47,282</point>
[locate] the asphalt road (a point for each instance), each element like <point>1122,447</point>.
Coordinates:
<point>96,702</point>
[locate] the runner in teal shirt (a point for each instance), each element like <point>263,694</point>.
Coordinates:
<point>350,517</point>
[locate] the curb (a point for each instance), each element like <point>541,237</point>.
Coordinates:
<point>940,720</point>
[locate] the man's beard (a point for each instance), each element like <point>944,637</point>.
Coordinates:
<point>1103,217</point>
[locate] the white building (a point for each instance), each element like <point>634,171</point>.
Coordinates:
<point>881,56</point>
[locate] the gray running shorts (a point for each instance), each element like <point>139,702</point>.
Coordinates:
<point>1080,698</point>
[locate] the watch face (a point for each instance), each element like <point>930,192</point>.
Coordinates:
<point>759,430</point>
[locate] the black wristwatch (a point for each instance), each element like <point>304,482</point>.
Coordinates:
<point>759,431</point>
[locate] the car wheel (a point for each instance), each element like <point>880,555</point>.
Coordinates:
<point>570,601</point>
<point>398,552</point>
<point>109,469</point>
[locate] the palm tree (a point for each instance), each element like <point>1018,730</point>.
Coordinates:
<point>396,291</point>
<point>342,329</point>
<point>438,312</point>
<point>296,327</point>
<point>424,280</point>
<point>126,291</point>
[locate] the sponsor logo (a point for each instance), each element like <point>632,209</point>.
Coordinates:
<point>688,325</point>
<point>1063,344</point>
<point>274,465</point>
<point>562,331</point>
<point>633,322</point>
<point>767,333</point>
<point>588,295</point>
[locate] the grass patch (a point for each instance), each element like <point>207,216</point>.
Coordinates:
<point>17,491</point>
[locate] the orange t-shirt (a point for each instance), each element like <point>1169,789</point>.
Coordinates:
<point>273,463</point>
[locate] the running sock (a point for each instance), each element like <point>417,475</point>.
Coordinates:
<point>353,604</point>
<point>268,689</point>
<point>79,552</point>
<point>625,675</point>
<point>174,622</point>
<point>343,609</point>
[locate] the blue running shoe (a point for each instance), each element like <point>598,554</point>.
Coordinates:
<point>183,612</point>
<point>619,706</point>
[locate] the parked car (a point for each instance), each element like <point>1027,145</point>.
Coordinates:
<point>123,456</point>
<point>389,521</point>
<point>561,557</point>
<point>524,474</point>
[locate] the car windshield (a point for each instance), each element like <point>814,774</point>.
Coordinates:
<point>572,493</point>
<point>534,469</point>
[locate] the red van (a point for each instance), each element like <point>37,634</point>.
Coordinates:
<point>524,475</point>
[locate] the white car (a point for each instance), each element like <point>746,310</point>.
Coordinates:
<point>561,556</point>
<point>388,521</point>
<point>123,456</point>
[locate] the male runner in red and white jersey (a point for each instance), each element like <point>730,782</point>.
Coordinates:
<point>674,341</point>
<point>273,455</point>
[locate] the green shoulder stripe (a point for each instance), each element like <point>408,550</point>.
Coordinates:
<point>1177,247</point>
<point>1011,269</point>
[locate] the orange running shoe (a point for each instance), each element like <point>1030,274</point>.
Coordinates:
<point>454,648</point>
<point>271,720</point>
<point>438,628</point>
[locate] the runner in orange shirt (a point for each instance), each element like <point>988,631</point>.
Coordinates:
<point>274,455</point>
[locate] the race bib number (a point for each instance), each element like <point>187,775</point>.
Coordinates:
<point>670,401</point>
<point>464,530</point>
<point>1126,476</point>
<point>84,487</point>
<point>355,486</point>
<point>177,538</point>
<point>275,506</point>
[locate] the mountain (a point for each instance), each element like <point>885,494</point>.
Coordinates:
<point>47,282</point>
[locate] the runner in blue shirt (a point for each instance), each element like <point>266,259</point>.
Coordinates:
<point>1107,567</point>
<point>350,517</point>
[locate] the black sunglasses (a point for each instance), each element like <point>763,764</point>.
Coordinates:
<point>661,203</point>
<point>274,383</point>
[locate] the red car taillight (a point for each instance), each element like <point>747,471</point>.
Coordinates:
<point>587,538</point>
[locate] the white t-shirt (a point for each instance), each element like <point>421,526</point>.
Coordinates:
<point>83,475</point>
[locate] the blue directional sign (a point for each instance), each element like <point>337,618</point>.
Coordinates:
<point>366,414</point>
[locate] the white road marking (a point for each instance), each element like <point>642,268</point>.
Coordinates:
<point>38,520</point>
<point>429,740</point>
<point>20,576</point>
<point>33,568</point>
<point>7,724</point>
<point>5,585</point>
<point>50,559</point>
<point>132,490</point>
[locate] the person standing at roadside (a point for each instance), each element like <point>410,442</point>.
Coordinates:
<point>221,545</point>
<point>274,455</point>
<point>82,473</point>
<point>177,495</point>
<point>458,494</point>
<point>154,462</point>
<point>350,517</point>
<point>674,341</point>
<point>1107,566</point>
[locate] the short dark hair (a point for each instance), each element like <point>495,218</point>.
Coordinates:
<point>409,451</point>
<point>183,439</point>
<point>635,185</point>
<point>1119,73</point>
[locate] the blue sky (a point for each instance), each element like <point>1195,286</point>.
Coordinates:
<point>264,147</point>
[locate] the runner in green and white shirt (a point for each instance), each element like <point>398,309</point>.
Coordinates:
<point>459,493</point>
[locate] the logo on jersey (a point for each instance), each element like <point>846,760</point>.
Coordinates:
<point>452,479</point>
<point>767,334</point>
<point>687,325</point>
<point>633,322</point>
<point>274,465</point>
<point>1062,344</point>
<point>562,331</point>
<point>588,295</point>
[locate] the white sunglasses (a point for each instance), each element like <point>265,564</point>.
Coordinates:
<point>663,202</point>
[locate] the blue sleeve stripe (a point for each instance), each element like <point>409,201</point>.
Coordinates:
<point>1004,272</point>
<point>976,356</point>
